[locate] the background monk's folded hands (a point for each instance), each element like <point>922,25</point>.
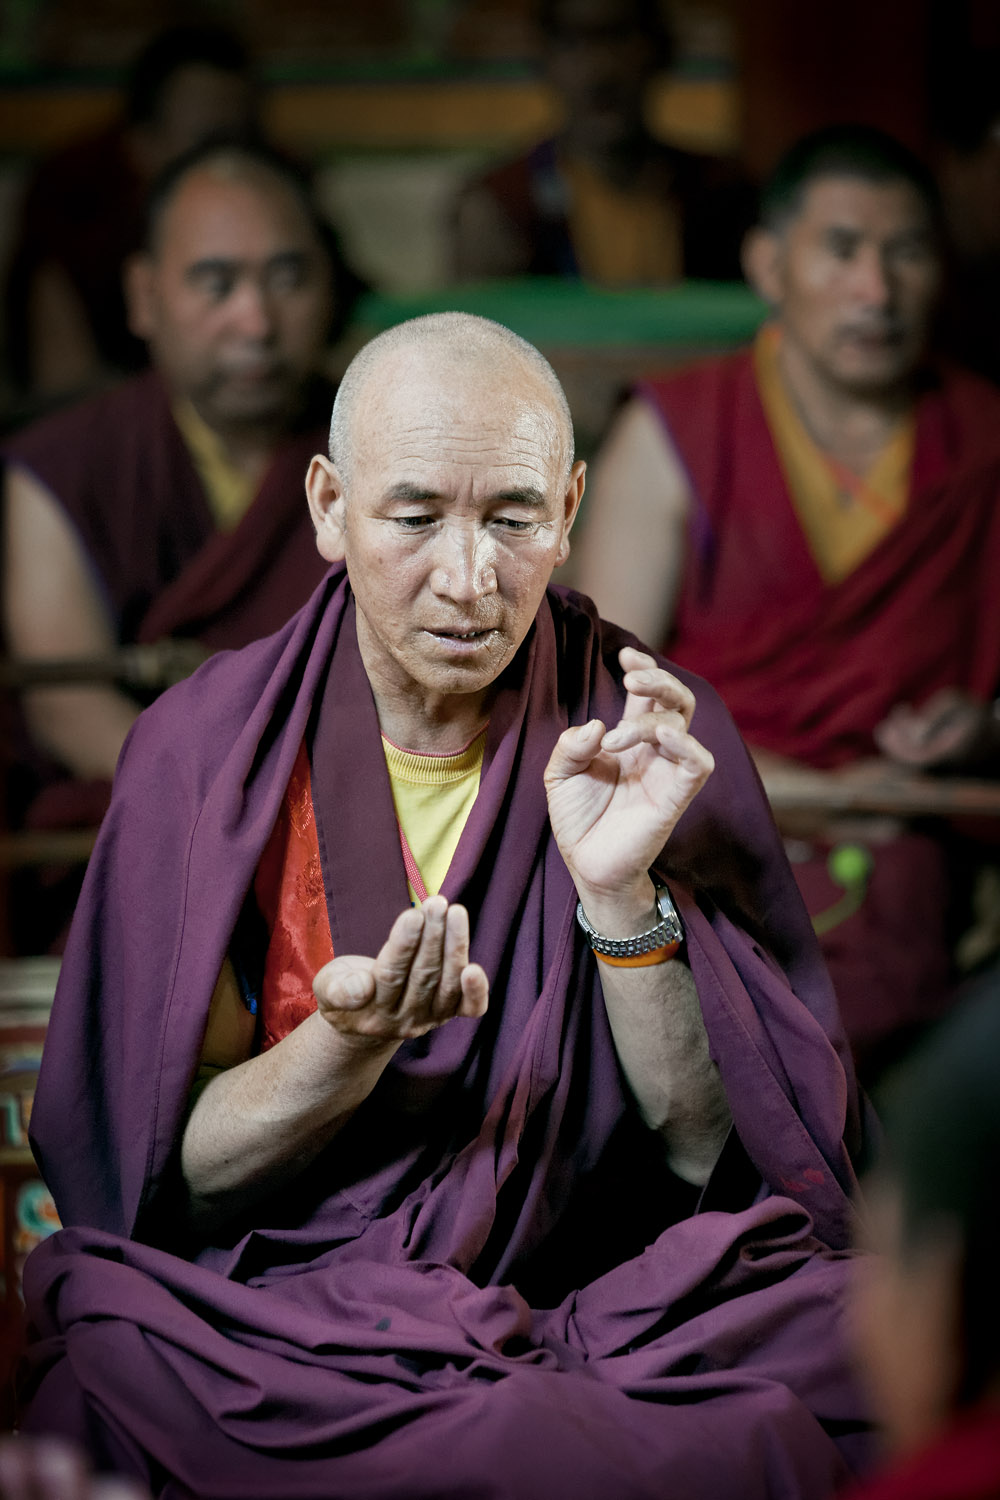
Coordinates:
<point>951,730</point>
<point>421,978</point>
<point>616,795</point>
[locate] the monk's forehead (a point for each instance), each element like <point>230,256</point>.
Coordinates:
<point>440,403</point>
<point>835,197</point>
<point>211,204</point>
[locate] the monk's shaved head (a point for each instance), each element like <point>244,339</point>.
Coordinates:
<point>233,160</point>
<point>460,345</point>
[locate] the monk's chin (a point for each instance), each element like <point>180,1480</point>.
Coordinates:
<point>269,407</point>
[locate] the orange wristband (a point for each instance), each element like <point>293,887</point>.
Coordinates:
<point>640,960</point>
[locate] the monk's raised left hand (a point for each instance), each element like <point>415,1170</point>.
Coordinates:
<point>616,795</point>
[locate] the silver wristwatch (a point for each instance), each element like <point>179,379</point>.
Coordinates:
<point>669,929</point>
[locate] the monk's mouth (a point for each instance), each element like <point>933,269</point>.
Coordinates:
<point>466,636</point>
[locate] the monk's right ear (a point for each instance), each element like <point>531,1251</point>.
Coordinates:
<point>762,258</point>
<point>325,491</point>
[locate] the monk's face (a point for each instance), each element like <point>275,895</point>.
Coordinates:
<point>904,1322</point>
<point>853,278</point>
<point>235,300</point>
<point>456,508</point>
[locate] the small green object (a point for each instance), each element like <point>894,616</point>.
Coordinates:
<point>849,866</point>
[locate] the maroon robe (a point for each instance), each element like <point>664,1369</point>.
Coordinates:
<point>488,1283</point>
<point>808,668</point>
<point>962,1463</point>
<point>120,469</point>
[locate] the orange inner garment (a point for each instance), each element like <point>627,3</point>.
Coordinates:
<point>289,891</point>
<point>844,516</point>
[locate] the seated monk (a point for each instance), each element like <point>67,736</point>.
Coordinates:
<point>813,525</point>
<point>604,199</point>
<point>171,505</point>
<point>465,1111</point>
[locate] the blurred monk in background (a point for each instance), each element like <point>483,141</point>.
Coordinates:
<point>82,215</point>
<point>171,506</point>
<point>927,1307</point>
<point>812,524</point>
<point>605,199</point>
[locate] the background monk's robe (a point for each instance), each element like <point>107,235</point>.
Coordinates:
<point>126,478</point>
<point>808,667</point>
<point>489,1283</point>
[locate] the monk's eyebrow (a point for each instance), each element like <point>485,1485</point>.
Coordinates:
<point>526,495</point>
<point>211,265</point>
<point>407,491</point>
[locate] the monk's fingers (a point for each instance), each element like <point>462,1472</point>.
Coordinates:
<point>420,979</point>
<point>396,958</point>
<point>345,984</point>
<point>643,729</point>
<point>475,988</point>
<point>648,684</point>
<point>446,1000</point>
<point>690,764</point>
<point>415,1004</point>
<point>634,660</point>
<point>573,752</point>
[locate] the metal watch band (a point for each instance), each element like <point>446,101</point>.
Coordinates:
<point>669,929</point>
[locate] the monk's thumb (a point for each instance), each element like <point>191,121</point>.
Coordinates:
<point>343,984</point>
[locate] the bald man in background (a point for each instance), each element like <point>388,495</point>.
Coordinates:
<point>465,1097</point>
<point>170,505</point>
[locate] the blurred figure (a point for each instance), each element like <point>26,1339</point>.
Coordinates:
<point>172,505</point>
<point>812,524</point>
<point>82,215</point>
<point>604,200</point>
<point>967,163</point>
<point>927,1314</point>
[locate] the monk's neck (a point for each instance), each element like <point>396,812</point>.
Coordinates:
<point>250,455</point>
<point>852,427</point>
<point>623,163</point>
<point>429,727</point>
<point>249,448</point>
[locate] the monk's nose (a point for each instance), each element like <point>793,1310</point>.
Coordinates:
<point>464,567</point>
<point>251,312</point>
<point>873,278</point>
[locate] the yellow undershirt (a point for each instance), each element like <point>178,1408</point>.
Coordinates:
<point>433,795</point>
<point>844,516</point>
<point>622,237</point>
<point>228,491</point>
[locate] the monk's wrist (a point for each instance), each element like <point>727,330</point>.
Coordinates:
<point>624,912</point>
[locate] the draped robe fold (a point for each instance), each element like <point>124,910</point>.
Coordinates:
<point>808,669</point>
<point>488,1284</point>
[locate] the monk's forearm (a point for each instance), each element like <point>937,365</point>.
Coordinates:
<point>255,1125</point>
<point>662,1045</point>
